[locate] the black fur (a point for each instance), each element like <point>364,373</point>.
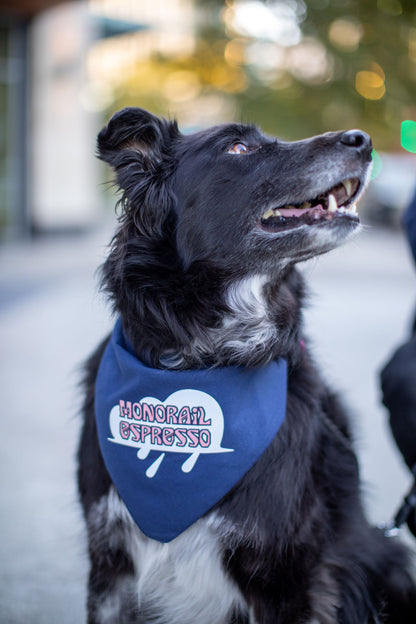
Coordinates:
<point>292,533</point>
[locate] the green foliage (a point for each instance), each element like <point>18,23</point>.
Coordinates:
<point>387,46</point>
<point>354,66</point>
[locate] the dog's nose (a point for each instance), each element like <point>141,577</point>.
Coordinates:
<point>357,139</point>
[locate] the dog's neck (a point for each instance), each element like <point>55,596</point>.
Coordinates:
<point>251,332</point>
<point>204,317</point>
<point>244,328</point>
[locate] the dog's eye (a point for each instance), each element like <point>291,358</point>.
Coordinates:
<point>238,148</point>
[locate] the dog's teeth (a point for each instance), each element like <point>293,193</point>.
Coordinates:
<point>277,213</point>
<point>332,203</point>
<point>306,205</point>
<point>268,213</point>
<point>353,209</point>
<point>348,186</point>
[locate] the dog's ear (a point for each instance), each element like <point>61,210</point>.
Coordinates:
<point>138,146</point>
<point>131,129</point>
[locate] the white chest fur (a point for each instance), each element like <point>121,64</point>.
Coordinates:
<point>180,582</point>
<point>184,581</point>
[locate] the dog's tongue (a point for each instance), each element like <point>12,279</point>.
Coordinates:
<point>298,212</point>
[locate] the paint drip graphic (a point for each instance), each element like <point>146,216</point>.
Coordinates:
<point>188,421</point>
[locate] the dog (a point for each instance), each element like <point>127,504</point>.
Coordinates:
<point>202,275</point>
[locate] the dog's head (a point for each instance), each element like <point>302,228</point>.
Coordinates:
<point>233,196</point>
<point>201,269</point>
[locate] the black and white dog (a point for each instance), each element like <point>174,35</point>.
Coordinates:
<point>202,273</point>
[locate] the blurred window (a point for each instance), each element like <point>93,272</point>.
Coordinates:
<point>12,126</point>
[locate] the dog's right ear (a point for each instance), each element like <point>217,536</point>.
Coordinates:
<point>137,145</point>
<point>133,129</point>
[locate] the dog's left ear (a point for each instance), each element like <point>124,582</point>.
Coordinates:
<point>137,145</point>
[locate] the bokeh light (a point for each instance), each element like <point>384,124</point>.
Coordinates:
<point>345,34</point>
<point>370,85</point>
<point>278,21</point>
<point>408,136</point>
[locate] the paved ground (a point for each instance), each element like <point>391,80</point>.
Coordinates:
<point>51,317</point>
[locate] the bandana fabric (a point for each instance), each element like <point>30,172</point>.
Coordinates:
<point>175,442</point>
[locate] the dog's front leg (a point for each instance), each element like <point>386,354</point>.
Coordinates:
<point>112,587</point>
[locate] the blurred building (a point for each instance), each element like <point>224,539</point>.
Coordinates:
<point>59,66</point>
<point>13,87</point>
<point>48,179</point>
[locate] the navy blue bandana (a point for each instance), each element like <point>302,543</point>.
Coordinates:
<point>175,442</point>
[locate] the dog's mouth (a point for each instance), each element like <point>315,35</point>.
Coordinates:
<point>338,201</point>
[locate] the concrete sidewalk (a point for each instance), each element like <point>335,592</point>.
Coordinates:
<point>52,317</point>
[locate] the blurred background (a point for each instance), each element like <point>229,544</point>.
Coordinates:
<point>294,67</point>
